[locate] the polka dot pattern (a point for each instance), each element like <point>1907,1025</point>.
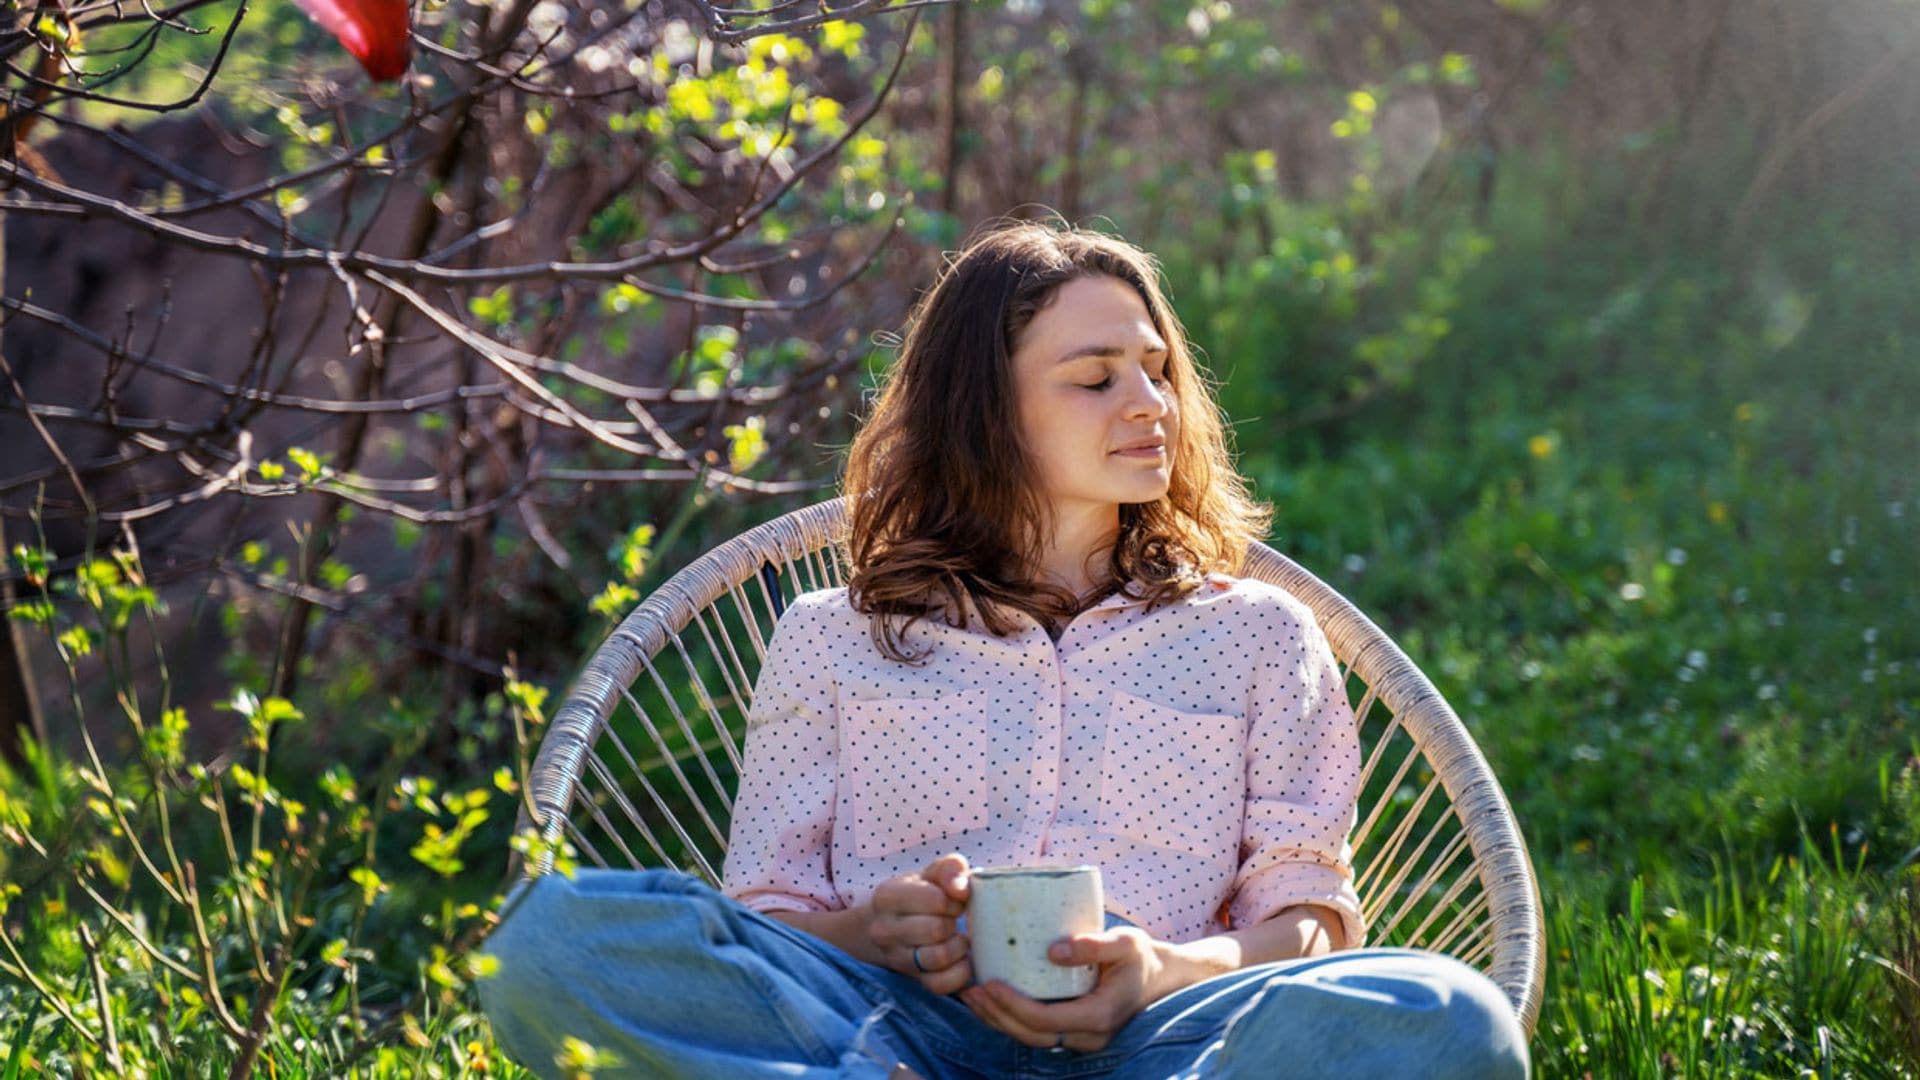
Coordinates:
<point>892,746</point>
<point>1203,754</point>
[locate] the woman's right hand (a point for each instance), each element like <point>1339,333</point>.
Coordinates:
<point>922,909</point>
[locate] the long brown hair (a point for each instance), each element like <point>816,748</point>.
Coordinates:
<point>942,503</point>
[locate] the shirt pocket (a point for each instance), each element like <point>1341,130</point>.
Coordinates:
<point>1173,779</point>
<point>917,769</point>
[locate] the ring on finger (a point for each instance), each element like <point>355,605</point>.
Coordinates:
<point>916,961</point>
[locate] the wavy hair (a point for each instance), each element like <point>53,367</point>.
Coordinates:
<point>943,507</point>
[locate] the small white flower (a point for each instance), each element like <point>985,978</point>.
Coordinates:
<point>1739,596</point>
<point>595,58</point>
<point>1530,670</point>
<point>1584,752</point>
<point>1686,674</point>
<point>678,41</point>
<point>1768,692</point>
<point>1354,564</point>
<point>1868,674</point>
<point>1776,619</point>
<point>1632,591</point>
<point>1677,556</point>
<point>1836,556</point>
<point>1870,635</point>
<point>1697,659</point>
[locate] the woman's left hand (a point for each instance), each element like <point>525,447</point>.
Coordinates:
<point>1133,974</point>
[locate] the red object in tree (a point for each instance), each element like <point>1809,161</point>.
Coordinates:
<point>374,31</point>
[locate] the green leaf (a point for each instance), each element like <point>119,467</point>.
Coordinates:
<point>40,612</point>
<point>633,552</point>
<point>370,884</point>
<point>33,563</point>
<point>308,462</point>
<point>76,641</point>
<point>529,699</point>
<point>614,600</point>
<point>746,443</point>
<point>495,308</point>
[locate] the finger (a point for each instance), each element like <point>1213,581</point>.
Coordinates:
<point>952,874</point>
<point>995,1015</point>
<point>925,897</point>
<point>949,980</point>
<point>911,930</point>
<point>1082,949</point>
<point>1084,1013</point>
<point>934,956</point>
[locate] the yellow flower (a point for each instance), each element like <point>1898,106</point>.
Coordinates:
<point>1717,512</point>
<point>1743,412</point>
<point>1540,446</point>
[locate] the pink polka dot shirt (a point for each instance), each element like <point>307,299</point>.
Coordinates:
<point>1202,754</point>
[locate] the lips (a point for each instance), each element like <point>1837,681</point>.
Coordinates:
<point>1143,446</point>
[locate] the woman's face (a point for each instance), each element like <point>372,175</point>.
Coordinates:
<point>1091,380</point>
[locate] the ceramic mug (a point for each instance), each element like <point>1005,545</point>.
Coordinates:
<point>1016,913</point>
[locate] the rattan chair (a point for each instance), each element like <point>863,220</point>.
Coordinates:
<point>638,766</point>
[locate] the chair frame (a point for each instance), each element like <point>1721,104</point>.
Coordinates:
<point>1501,930</point>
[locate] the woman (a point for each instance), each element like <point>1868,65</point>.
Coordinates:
<point>1041,656</point>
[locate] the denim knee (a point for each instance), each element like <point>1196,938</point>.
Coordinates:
<point>1379,1012</point>
<point>1480,1028</point>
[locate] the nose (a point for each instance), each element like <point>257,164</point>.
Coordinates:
<point>1149,401</point>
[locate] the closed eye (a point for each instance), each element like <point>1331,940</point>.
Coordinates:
<point>1161,379</point>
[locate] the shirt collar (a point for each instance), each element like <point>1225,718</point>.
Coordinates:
<point>1132,594</point>
<point>1129,595</point>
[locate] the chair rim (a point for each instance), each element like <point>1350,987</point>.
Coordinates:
<point>1499,849</point>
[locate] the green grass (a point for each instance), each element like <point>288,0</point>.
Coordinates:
<point>1653,533</point>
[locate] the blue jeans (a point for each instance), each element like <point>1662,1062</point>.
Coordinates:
<point>676,980</point>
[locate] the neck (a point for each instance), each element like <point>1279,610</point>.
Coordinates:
<point>1076,554</point>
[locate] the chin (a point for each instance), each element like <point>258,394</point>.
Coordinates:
<point>1146,494</point>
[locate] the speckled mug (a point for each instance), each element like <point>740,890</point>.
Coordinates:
<point>1016,913</point>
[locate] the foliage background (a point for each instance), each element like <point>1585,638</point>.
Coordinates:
<point>1575,343</point>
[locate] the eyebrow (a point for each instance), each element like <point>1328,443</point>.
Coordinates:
<point>1106,351</point>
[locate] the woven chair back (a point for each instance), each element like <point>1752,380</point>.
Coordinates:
<point>639,764</point>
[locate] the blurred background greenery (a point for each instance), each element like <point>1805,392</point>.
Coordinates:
<point>1578,344</point>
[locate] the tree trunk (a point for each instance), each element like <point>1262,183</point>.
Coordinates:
<point>19,698</point>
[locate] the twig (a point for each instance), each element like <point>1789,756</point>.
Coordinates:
<point>209,976</point>
<point>102,1000</point>
<point>264,999</point>
<point>46,436</point>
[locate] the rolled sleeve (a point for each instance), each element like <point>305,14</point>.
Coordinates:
<point>780,841</point>
<point>1303,780</point>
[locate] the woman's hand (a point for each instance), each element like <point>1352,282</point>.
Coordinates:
<point>1134,973</point>
<point>921,909</point>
